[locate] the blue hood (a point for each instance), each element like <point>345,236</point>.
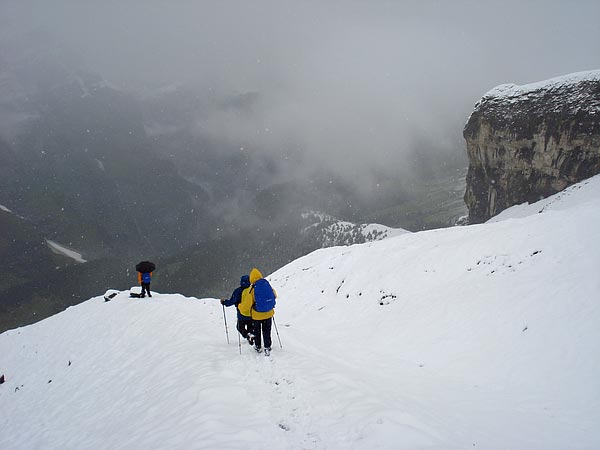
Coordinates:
<point>245,281</point>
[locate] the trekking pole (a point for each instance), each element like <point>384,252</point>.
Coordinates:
<point>277,331</point>
<point>225,319</point>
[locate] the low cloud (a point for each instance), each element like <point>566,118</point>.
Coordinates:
<point>354,86</point>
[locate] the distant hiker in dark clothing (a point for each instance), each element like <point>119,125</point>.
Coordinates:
<point>145,279</point>
<point>244,319</point>
<point>263,304</point>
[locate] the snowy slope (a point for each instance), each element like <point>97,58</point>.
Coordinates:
<point>484,337</point>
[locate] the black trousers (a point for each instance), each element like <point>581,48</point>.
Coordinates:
<point>263,327</point>
<point>146,287</point>
<point>245,326</point>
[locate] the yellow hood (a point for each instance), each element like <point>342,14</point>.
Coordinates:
<point>255,275</point>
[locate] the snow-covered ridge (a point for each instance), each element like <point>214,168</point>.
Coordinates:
<point>57,248</point>
<point>331,231</point>
<point>513,90</point>
<point>480,336</point>
<point>65,251</point>
<point>10,211</point>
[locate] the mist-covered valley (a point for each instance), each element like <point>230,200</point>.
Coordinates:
<point>213,138</point>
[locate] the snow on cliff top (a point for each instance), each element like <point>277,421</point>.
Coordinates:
<point>513,90</point>
<point>567,94</point>
<point>484,336</point>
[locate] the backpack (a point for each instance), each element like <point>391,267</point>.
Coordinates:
<point>146,278</point>
<point>264,297</point>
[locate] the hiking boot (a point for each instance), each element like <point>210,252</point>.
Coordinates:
<point>250,339</point>
<point>267,351</point>
<point>257,348</point>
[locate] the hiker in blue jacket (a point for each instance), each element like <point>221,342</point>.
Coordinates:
<point>245,324</point>
<point>145,279</point>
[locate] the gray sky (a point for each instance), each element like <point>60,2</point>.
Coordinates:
<point>346,82</point>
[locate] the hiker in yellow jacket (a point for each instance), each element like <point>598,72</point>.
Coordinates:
<point>263,304</point>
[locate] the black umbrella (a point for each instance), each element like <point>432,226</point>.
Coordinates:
<point>145,266</point>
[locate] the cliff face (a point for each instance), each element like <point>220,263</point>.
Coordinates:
<point>528,142</point>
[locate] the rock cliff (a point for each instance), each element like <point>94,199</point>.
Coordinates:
<point>528,142</point>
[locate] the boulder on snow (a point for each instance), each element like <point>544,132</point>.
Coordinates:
<point>135,292</point>
<point>110,294</point>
